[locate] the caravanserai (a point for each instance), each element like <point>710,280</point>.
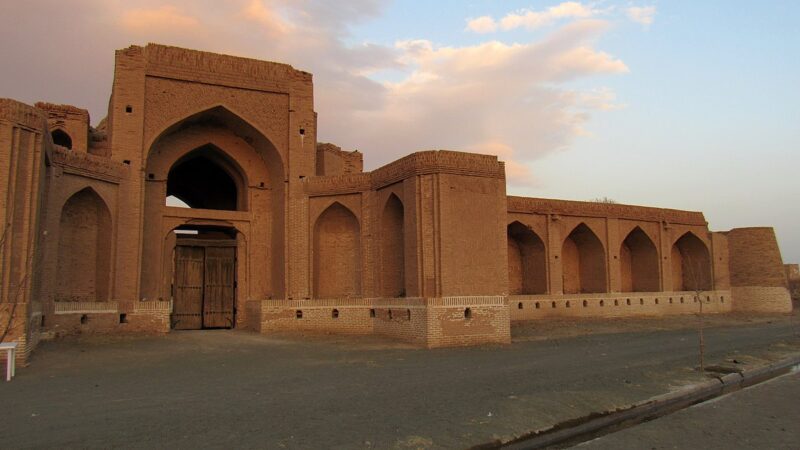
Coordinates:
<point>203,200</point>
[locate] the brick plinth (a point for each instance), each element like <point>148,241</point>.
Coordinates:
<point>770,299</point>
<point>625,304</point>
<point>427,322</point>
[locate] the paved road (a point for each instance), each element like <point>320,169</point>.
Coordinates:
<point>763,416</point>
<point>234,389</point>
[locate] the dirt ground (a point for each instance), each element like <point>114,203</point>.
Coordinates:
<point>237,389</point>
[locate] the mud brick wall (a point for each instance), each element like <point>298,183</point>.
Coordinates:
<point>462,321</point>
<point>758,278</point>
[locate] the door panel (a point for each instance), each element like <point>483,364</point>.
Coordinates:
<point>219,287</point>
<point>189,273</point>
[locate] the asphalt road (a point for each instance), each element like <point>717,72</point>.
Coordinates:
<point>763,416</point>
<point>235,389</point>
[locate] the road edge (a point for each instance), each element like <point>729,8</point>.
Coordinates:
<point>649,409</point>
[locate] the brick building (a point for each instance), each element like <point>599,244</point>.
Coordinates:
<point>283,233</point>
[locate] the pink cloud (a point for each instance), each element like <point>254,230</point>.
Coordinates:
<point>505,99</point>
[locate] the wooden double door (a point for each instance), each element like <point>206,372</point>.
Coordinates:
<point>204,284</point>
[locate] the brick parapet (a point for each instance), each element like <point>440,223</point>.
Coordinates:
<point>765,299</point>
<point>621,304</point>
<point>221,70</point>
<point>21,114</point>
<point>472,319</point>
<point>90,166</point>
<point>63,111</point>
<point>419,163</point>
<point>604,210</point>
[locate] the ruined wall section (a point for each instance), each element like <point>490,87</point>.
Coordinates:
<point>332,160</point>
<point>758,279</point>
<point>71,120</point>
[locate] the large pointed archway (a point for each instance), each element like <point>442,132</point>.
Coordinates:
<point>205,178</point>
<point>226,173</point>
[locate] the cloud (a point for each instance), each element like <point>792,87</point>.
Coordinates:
<point>269,18</point>
<point>530,19</point>
<point>483,24</point>
<point>164,17</point>
<point>493,97</point>
<point>535,19</point>
<point>641,14</point>
<point>508,99</point>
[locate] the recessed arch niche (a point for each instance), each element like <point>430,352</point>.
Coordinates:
<point>639,268</point>
<point>213,161</point>
<point>527,273</point>
<point>583,262</point>
<point>691,264</point>
<point>83,269</point>
<point>337,253</point>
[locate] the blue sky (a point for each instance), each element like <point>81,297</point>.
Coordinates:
<point>711,116</point>
<point>686,104</point>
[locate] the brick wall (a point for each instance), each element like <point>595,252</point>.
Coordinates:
<point>71,318</point>
<point>758,279</point>
<point>793,280</point>
<point>438,322</point>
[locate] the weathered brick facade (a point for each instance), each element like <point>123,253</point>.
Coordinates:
<point>286,234</point>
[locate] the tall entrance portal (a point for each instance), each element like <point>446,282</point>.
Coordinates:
<point>204,281</point>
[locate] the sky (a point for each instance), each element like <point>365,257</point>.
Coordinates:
<point>676,104</point>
